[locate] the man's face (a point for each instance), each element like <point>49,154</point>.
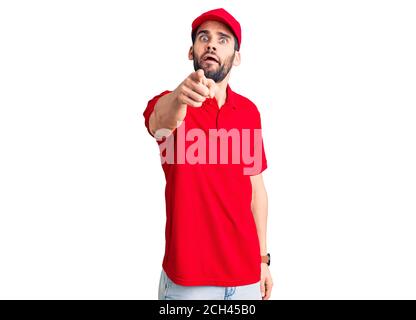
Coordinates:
<point>213,50</point>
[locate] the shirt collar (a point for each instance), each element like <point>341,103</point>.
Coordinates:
<point>229,100</point>
<point>230,97</point>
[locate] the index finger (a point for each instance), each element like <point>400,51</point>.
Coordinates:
<point>198,76</point>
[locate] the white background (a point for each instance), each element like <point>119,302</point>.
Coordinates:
<point>82,208</point>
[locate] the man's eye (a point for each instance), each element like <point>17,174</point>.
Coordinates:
<point>203,38</point>
<point>223,40</point>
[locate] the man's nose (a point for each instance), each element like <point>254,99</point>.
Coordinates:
<point>211,47</point>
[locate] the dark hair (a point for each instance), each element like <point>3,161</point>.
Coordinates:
<point>236,47</point>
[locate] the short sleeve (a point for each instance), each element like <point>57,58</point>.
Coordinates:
<point>257,149</point>
<point>264,159</point>
<point>263,153</point>
<point>150,107</point>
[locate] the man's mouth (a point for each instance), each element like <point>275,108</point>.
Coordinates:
<point>209,58</point>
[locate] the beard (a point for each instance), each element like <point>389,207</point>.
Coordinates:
<point>220,73</point>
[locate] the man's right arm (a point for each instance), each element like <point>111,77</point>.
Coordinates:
<point>172,107</point>
<point>166,113</point>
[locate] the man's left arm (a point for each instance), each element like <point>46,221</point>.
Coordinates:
<point>259,207</point>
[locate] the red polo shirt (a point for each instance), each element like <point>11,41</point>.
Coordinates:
<point>211,236</point>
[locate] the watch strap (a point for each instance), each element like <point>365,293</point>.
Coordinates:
<point>266,259</point>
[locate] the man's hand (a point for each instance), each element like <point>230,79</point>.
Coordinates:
<point>266,282</point>
<point>195,89</point>
<point>170,110</point>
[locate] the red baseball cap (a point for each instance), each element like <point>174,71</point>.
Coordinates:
<point>222,16</point>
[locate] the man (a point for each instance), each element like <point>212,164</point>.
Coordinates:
<point>216,204</point>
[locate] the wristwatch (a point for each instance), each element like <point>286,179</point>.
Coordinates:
<point>266,259</point>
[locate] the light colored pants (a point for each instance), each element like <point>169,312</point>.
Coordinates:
<point>168,290</point>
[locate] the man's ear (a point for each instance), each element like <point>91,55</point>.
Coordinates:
<point>190,53</point>
<point>237,59</point>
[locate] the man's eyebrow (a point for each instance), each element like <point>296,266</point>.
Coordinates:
<point>202,31</point>
<point>224,35</point>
